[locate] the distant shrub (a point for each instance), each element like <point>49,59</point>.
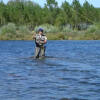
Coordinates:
<point>0,31</point>
<point>97,32</point>
<point>92,33</point>
<point>9,28</point>
<point>92,29</point>
<point>98,25</point>
<point>67,29</point>
<point>23,29</point>
<point>47,28</point>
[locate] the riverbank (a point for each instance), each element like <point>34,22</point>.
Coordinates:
<point>54,36</point>
<point>14,32</point>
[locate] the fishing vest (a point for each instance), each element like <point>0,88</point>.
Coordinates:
<point>39,40</point>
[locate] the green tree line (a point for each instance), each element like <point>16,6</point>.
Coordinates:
<point>26,12</point>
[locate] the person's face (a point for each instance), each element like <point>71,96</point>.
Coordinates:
<point>40,32</point>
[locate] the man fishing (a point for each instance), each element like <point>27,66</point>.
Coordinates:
<point>40,41</point>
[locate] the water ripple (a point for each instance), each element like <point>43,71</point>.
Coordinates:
<point>70,71</point>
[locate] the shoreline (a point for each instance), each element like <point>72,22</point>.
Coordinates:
<point>51,37</point>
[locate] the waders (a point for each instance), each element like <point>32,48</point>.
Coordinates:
<point>40,51</point>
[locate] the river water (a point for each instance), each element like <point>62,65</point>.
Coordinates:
<point>70,71</point>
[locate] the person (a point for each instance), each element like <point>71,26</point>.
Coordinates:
<point>40,41</point>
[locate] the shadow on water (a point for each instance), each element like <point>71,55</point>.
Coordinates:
<point>48,60</point>
<point>47,57</point>
<point>54,61</point>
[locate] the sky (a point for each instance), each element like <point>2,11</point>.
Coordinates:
<point>96,3</point>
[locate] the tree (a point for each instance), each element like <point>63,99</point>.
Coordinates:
<point>51,4</point>
<point>53,10</point>
<point>2,13</point>
<point>90,13</point>
<point>61,19</point>
<point>26,12</point>
<point>68,12</point>
<point>77,13</point>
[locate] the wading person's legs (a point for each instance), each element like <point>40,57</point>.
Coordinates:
<point>37,52</point>
<point>42,53</point>
<point>44,50</point>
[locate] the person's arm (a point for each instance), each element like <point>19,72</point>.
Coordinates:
<point>45,41</point>
<point>34,36</point>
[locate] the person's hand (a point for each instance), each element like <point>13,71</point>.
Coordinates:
<point>45,41</point>
<point>34,36</point>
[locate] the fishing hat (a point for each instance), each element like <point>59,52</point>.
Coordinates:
<point>40,30</point>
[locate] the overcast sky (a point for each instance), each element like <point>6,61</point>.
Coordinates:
<point>96,3</point>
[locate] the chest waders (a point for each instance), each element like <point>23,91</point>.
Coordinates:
<point>40,48</point>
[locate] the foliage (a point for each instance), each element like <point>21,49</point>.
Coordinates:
<point>66,29</point>
<point>92,29</point>
<point>48,28</point>
<point>64,22</point>
<point>23,29</point>
<point>9,28</point>
<point>26,12</point>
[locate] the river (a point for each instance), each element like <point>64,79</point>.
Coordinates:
<point>70,71</point>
